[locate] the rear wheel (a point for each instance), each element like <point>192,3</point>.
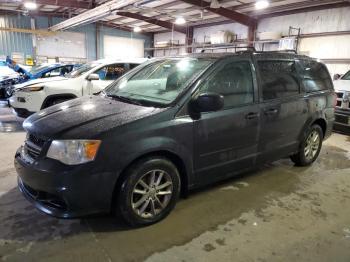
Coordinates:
<point>149,192</point>
<point>310,147</point>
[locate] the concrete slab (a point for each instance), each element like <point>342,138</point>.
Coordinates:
<point>278,212</point>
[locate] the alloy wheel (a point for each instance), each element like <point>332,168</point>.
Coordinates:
<point>152,193</point>
<point>312,145</point>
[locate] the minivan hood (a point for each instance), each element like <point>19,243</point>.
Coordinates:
<point>342,85</point>
<point>87,116</point>
<point>40,81</point>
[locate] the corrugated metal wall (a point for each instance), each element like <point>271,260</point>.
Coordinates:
<point>329,20</point>
<point>322,47</point>
<point>20,42</point>
<point>15,42</point>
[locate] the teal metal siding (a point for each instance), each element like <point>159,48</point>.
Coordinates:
<point>21,42</point>
<point>12,41</point>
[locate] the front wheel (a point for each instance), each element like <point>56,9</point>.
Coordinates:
<point>149,192</point>
<point>310,147</point>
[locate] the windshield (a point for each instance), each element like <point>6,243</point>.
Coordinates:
<point>346,76</point>
<point>82,69</point>
<point>37,69</point>
<point>158,82</point>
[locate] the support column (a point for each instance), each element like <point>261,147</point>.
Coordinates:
<point>32,26</point>
<point>251,34</point>
<point>97,39</point>
<point>189,39</point>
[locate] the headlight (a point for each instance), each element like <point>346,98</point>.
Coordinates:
<point>73,152</point>
<point>33,88</point>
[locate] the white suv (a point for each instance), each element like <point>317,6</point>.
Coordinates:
<point>342,109</point>
<point>90,78</point>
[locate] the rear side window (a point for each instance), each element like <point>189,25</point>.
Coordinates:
<point>234,82</point>
<point>278,79</point>
<point>315,76</point>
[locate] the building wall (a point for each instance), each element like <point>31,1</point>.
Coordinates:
<point>240,30</point>
<point>198,35</point>
<point>22,42</point>
<point>15,42</point>
<point>330,20</point>
<point>322,47</point>
<point>103,30</point>
<point>176,37</point>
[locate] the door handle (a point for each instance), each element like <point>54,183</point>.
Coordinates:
<point>252,115</point>
<point>272,111</point>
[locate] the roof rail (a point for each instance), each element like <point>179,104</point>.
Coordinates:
<point>279,51</point>
<point>249,48</point>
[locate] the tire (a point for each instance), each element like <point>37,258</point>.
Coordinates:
<point>308,153</point>
<point>142,202</point>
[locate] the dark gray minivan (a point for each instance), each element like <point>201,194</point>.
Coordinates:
<point>171,125</point>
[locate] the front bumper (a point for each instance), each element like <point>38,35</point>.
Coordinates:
<point>342,121</point>
<point>64,191</point>
<point>22,112</point>
<point>29,101</point>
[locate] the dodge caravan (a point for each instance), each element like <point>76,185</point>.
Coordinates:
<point>171,125</point>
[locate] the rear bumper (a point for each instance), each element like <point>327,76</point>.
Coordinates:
<point>64,191</point>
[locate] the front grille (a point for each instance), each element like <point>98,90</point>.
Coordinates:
<point>343,100</point>
<point>36,140</point>
<point>33,146</point>
<point>45,198</point>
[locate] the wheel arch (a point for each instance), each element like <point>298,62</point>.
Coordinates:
<point>322,123</point>
<point>56,96</point>
<point>171,156</point>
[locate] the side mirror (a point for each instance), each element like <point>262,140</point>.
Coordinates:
<point>93,77</point>
<point>207,102</point>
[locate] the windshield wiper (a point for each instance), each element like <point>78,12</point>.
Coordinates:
<point>126,99</point>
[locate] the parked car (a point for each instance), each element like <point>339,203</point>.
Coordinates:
<point>172,125</point>
<point>7,76</point>
<point>88,79</point>
<point>342,109</point>
<point>43,71</point>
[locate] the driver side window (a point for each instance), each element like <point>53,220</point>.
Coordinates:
<point>234,81</point>
<point>52,73</point>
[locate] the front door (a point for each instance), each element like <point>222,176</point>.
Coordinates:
<point>226,141</point>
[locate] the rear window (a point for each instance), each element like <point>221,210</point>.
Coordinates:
<point>279,79</point>
<point>315,76</point>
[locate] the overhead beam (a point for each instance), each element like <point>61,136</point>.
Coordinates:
<point>63,3</point>
<point>230,14</point>
<point>151,20</point>
<point>92,15</point>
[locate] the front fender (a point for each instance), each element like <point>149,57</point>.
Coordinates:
<point>157,144</point>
